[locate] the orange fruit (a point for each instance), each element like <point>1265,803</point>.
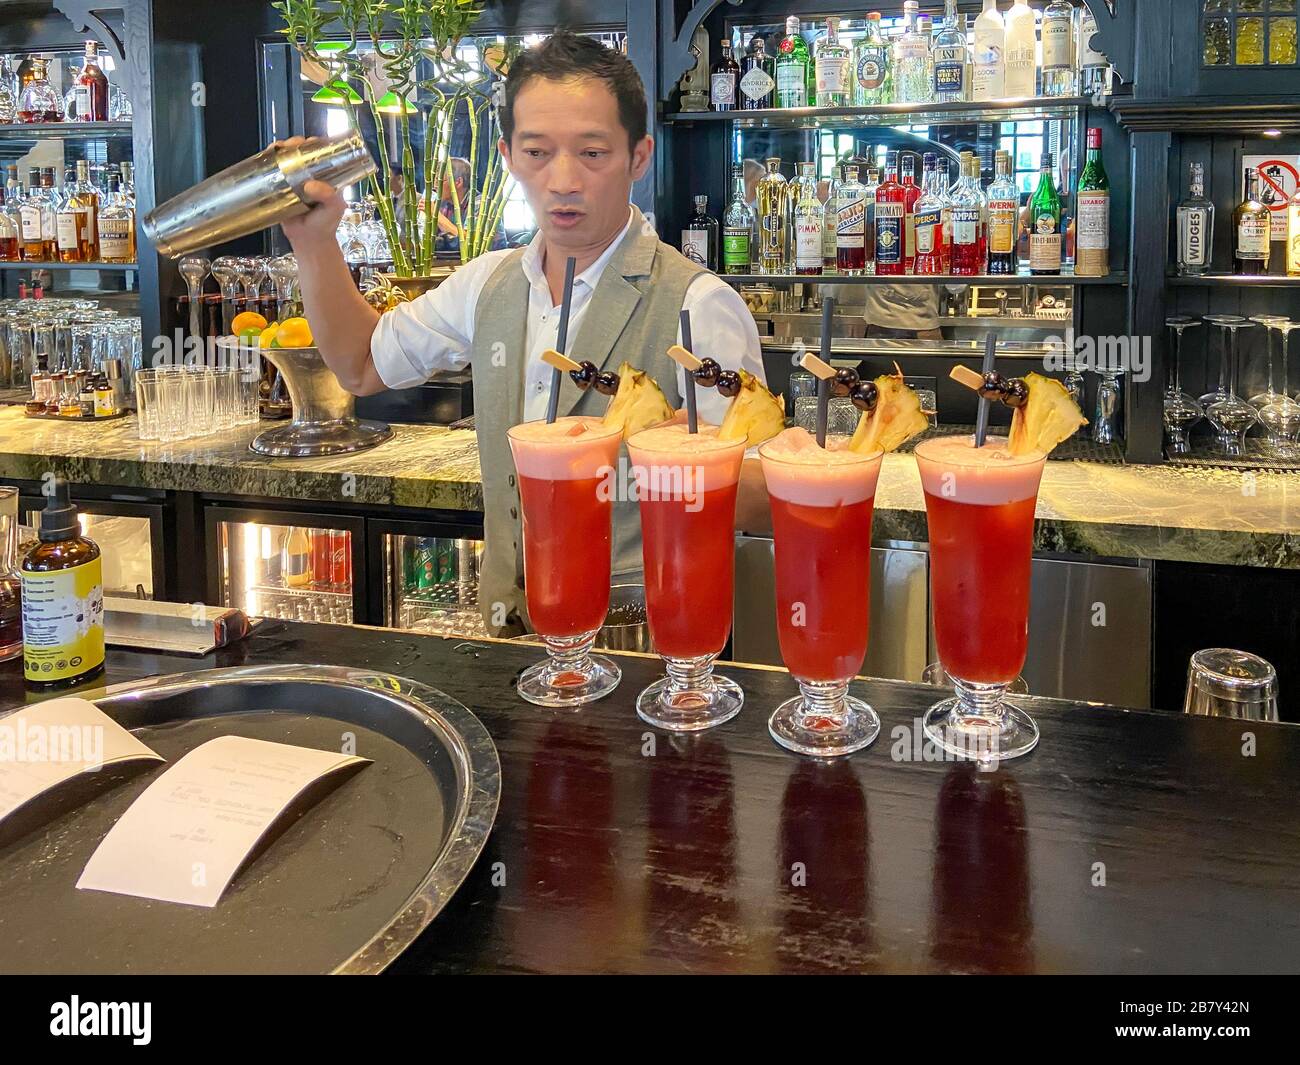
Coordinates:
<point>267,335</point>
<point>294,333</point>
<point>246,320</point>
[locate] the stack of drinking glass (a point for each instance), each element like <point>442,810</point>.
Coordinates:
<point>66,336</point>
<point>183,402</point>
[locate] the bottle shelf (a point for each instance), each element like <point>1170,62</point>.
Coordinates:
<point>1021,109</point>
<point>29,264</point>
<point>1221,280</point>
<point>83,130</point>
<point>1066,277</point>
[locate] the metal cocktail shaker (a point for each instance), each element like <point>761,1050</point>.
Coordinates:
<point>259,192</point>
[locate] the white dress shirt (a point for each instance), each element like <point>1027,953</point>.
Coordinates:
<point>432,334</point>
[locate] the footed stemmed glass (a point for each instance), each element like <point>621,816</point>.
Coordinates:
<point>1230,415</point>
<point>194,268</point>
<point>1281,415</point>
<point>1180,409</point>
<point>226,270</point>
<point>1271,323</point>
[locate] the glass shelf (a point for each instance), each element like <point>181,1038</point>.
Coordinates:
<point>1064,278</point>
<point>43,130</point>
<point>1235,280</point>
<point>28,264</point>
<point>1040,107</point>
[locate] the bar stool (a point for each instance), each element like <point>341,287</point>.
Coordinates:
<point>1226,683</point>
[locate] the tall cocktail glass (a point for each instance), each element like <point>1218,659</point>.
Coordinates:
<point>686,485</point>
<point>980,506</point>
<point>565,478</point>
<point>822,501</point>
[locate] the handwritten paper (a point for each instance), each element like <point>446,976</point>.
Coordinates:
<point>184,839</point>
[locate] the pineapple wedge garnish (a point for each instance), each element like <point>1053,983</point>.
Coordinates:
<point>755,415</point>
<point>897,418</point>
<point>638,403</point>
<point>1049,417</point>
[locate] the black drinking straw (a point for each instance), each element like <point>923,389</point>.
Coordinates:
<point>561,338</point>
<point>982,416</point>
<point>823,384</point>
<point>692,419</point>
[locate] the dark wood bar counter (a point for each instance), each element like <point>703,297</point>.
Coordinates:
<point>1129,841</point>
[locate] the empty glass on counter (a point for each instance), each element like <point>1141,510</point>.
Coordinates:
<point>1222,682</point>
<point>185,402</point>
<point>1280,415</point>
<point>1230,415</point>
<point>1180,409</point>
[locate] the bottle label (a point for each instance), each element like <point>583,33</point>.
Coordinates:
<point>889,233</point>
<point>1088,56</point>
<point>792,85</point>
<point>1191,237</point>
<point>1058,44</point>
<point>1020,71</point>
<point>832,74</point>
<point>950,71</point>
<point>1045,245</point>
<point>871,68</point>
<point>695,245</point>
<point>68,230</point>
<point>114,237</point>
<point>929,230</point>
<point>81,103</point>
<point>851,223</point>
<point>63,622</point>
<point>756,84</point>
<point>735,250</point>
<point>723,90</point>
<point>1253,235</point>
<point>965,226</point>
<point>31,223</point>
<point>49,225</point>
<point>808,242</point>
<point>1092,231</point>
<point>1003,224</point>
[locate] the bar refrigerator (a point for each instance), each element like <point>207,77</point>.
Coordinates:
<point>425,577</point>
<point>293,565</point>
<point>127,534</point>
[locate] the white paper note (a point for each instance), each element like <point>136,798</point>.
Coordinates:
<point>187,835</point>
<point>45,744</point>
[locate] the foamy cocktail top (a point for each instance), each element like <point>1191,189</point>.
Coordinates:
<point>568,449</point>
<point>798,471</point>
<point>952,467</point>
<point>673,450</point>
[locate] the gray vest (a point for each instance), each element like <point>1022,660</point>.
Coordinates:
<point>632,316</point>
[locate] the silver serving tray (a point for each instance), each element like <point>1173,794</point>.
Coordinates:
<point>344,889</point>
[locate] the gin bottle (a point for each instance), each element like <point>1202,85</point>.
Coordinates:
<point>911,60</point>
<point>832,67</point>
<point>871,81</point>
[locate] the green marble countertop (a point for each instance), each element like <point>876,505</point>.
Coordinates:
<point>1127,512</point>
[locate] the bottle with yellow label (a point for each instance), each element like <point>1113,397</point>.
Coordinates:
<point>63,600</point>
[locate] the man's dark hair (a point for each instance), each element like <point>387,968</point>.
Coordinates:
<point>566,55</point>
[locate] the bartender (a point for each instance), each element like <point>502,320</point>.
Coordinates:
<point>573,125</point>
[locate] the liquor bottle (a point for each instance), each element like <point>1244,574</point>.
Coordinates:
<point>851,224</point>
<point>1293,236</point>
<point>1252,229</point>
<point>1019,48</point>
<point>869,187</point>
<point>90,90</point>
<point>809,219</point>
<point>724,80</point>
<point>950,59</point>
<point>88,197</point>
<point>891,221</point>
<point>295,555</point>
<point>9,233</point>
<point>30,207</point>
<point>795,79</point>
<point>737,224</point>
<point>989,60</point>
<point>128,182</point>
<point>967,202</point>
<point>1045,223</point>
<point>1092,214</point>
<point>1058,49</point>
<point>49,215</point>
<point>1094,67</point>
<point>925,30</point>
<point>929,222</point>
<point>700,237</point>
<point>756,82</point>
<point>911,60</point>
<point>8,91</point>
<point>773,219</point>
<point>38,102</point>
<point>911,195</point>
<point>116,226</point>
<point>830,221</point>
<point>832,68</point>
<point>67,223</point>
<point>871,81</point>
<point>1195,227</point>
<point>1003,217</point>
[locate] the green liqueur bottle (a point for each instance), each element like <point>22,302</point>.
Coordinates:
<point>737,224</point>
<point>796,84</point>
<point>1045,223</point>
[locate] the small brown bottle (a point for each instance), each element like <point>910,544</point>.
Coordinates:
<point>63,600</point>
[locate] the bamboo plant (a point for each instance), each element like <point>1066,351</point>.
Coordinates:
<point>409,37</point>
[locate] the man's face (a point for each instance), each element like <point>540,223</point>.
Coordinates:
<point>570,153</point>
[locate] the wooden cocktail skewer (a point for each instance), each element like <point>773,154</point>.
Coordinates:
<point>560,363</point>
<point>561,339</point>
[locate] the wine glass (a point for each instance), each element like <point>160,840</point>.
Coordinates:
<point>227,269</point>
<point>1231,416</point>
<point>194,268</point>
<point>1180,409</point>
<point>284,275</point>
<point>1281,415</point>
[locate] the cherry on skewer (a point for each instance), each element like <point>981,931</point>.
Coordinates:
<point>865,396</point>
<point>607,383</point>
<point>708,372</point>
<point>1017,394</point>
<point>729,384</point>
<point>585,375</point>
<point>845,381</point>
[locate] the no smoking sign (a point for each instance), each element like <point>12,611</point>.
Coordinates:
<point>1278,179</point>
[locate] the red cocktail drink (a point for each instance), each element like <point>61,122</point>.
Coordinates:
<point>980,507</point>
<point>565,488</point>
<point>686,486</point>
<point>822,501</point>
